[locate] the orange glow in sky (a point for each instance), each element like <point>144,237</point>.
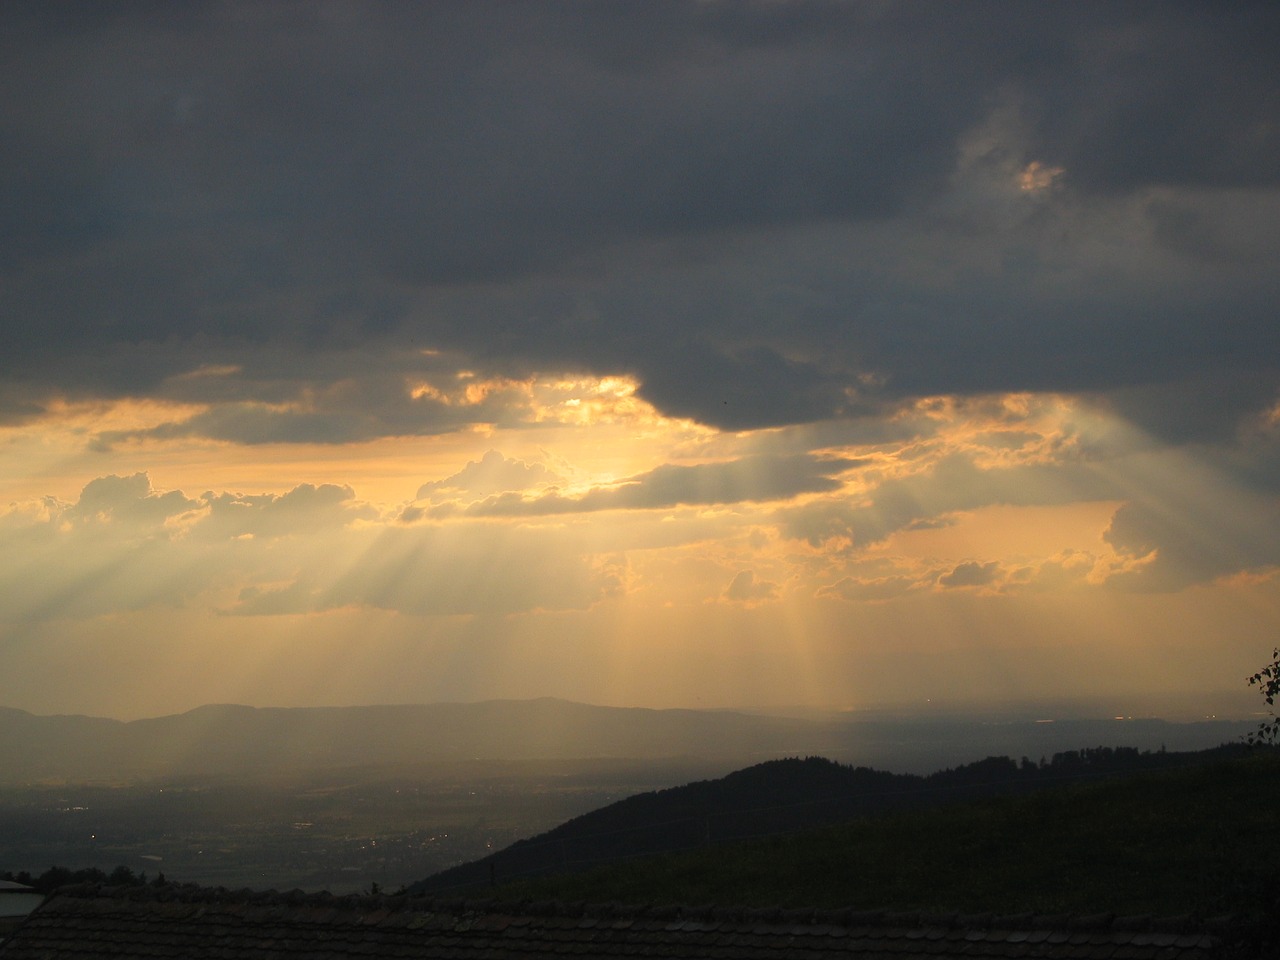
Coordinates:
<point>726,355</point>
<point>592,549</point>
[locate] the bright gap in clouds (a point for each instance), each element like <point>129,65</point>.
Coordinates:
<point>961,551</point>
<point>596,424</point>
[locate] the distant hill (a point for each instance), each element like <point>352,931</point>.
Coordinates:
<point>779,797</point>
<point>242,740</point>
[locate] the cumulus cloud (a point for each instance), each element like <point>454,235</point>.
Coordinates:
<point>971,573</point>
<point>124,546</point>
<point>306,509</point>
<point>745,588</point>
<point>491,474</point>
<point>127,501</point>
<point>1069,570</point>
<point>113,549</point>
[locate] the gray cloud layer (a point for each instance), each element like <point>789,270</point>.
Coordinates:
<point>769,212</point>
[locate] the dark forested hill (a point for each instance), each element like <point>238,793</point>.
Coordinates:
<point>777,797</point>
<point>1197,840</point>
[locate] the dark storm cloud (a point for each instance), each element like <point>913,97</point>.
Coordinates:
<point>1197,409</point>
<point>1189,98</point>
<point>1180,548</point>
<point>753,387</point>
<point>331,396</point>
<point>770,213</point>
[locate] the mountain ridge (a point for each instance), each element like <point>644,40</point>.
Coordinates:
<point>245,740</point>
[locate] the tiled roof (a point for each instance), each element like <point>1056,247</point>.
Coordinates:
<point>86,923</point>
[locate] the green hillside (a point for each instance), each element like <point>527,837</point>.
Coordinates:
<point>1203,840</point>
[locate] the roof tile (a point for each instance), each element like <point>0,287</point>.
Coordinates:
<point>91,923</point>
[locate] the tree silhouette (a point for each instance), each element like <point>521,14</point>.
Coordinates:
<point>1268,680</point>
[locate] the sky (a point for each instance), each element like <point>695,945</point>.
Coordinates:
<point>684,353</point>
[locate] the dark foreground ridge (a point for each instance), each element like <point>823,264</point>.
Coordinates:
<point>785,797</point>
<point>88,922</point>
